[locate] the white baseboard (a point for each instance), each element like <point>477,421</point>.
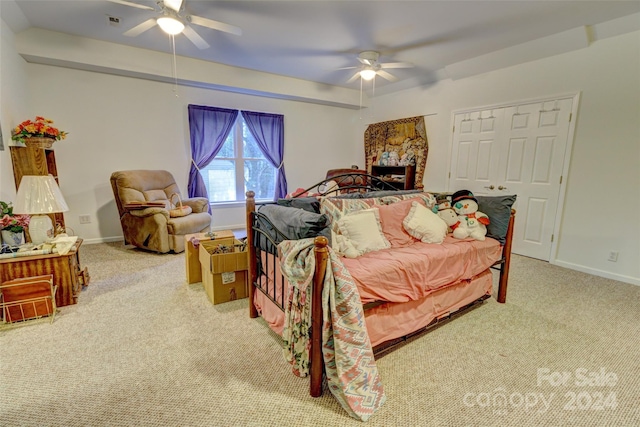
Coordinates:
<point>102,240</point>
<point>230,227</point>
<point>596,272</point>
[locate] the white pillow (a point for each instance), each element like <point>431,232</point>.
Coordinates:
<point>363,230</point>
<point>343,246</point>
<point>423,224</point>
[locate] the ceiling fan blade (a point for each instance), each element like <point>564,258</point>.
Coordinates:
<point>173,4</point>
<point>386,76</point>
<point>346,68</point>
<point>128,3</point>
<point>195,38</point>
<point>397,65</point>
<point>220,26</point>
<point>354,77</point>
<point>366,61</point>
<point>140,28</point>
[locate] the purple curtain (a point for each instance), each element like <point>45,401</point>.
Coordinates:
<point>209,128</point>
<point>268,130</point>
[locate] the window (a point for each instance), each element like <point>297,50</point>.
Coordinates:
<point>238,167</point>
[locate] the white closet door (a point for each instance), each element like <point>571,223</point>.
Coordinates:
<point>516,150</point>
<point>532,165</point>
<point>476,151</point>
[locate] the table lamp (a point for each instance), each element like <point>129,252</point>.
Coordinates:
<point>39,195</point>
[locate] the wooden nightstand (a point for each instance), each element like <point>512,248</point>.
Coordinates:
<point>68,275</point>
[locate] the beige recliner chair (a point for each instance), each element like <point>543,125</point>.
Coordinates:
<point>152,228</point>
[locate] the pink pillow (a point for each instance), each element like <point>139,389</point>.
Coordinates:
<point>391,217</point>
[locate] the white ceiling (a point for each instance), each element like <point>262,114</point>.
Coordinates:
<point>310,40</point>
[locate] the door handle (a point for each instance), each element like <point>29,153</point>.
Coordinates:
<point>501,187</point>
<point>491,187</point>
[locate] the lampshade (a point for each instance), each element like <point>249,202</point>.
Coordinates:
<point>39,195</point>
<point>367,74</point>
<point>170,25</point>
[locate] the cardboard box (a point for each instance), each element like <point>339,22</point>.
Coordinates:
<point>193,269</point>
<point>224,275</point>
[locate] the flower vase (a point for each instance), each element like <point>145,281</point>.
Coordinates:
<point>39,142</point>
<point>12,238</point>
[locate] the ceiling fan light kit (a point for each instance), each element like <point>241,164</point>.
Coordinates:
<point>368,74</point>
<point>170,25</point>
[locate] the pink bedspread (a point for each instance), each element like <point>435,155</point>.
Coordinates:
<point>410,273</point>
<point>471,260</point>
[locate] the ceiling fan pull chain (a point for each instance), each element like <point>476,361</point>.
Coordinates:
<point>175,67</point>
<point>360,109</point>
<point>373,94</point>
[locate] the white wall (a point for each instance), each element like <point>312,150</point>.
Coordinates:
<point>603,188</point>
<point>65,50</point>
<point>14,96</point>
<point>120,123</point>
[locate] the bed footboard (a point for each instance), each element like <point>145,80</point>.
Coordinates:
<point>504,263</point>
<point>317,364</point>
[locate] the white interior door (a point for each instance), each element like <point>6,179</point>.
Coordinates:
<point>476,151</point>
<point>526,157</point>
<point>532,164</point>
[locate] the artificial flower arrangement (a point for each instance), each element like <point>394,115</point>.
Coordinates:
<point>10,222</point>
<point>39,128</point>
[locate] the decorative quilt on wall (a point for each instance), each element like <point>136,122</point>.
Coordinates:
<point>405,137</point>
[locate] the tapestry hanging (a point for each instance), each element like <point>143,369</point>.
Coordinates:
<point>398,143</point>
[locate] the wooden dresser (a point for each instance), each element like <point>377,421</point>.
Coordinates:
<point>67,272</point>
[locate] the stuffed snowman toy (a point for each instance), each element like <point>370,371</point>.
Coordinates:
<point>444,210</point>
<point>450,217</point>
<point>472,222</point>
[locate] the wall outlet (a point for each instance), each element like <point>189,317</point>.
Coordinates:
<point>85,219</point>
<point>613,256</point>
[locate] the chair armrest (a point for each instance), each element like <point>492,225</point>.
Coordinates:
<point>197,204</point>
<point>148,212</point>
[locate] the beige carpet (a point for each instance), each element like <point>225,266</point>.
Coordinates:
<point>143,348</point>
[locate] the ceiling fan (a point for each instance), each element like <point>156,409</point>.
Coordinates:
<point>173,20</point>
<point>371,67</point>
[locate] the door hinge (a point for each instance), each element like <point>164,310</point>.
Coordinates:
<point>449,175</point>
<point>552,238</point>
<point>560,179</point>
<point>570,116</point>
<point>454,129</point>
